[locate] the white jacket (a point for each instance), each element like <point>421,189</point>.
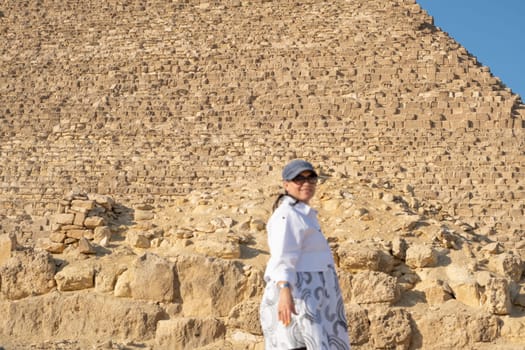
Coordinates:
<point>296,242</point>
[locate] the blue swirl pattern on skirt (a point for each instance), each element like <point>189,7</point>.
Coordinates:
<point>320,323</point>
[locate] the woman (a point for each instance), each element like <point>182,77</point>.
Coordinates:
<point>302,307</point>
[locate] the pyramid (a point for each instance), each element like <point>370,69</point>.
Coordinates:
<point>147,101</point>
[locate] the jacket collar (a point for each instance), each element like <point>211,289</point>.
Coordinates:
<point>301,207</point>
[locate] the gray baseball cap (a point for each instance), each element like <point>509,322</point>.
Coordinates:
<point>295,167</point>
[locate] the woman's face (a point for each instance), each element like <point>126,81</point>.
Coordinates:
<point>302,187</point>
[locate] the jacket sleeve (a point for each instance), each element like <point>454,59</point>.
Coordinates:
<point>284,241</point>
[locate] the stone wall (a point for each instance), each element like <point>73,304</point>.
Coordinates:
<point>146,101</point>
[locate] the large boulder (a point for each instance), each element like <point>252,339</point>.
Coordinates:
<point>80,315</point>
<point>208,286</point>
<point>188,333</point>
<point>76,276</point>
<point>27,272</point>
<point>150,277</point>
<point>369,287</point>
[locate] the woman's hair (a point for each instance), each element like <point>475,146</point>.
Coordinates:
<point>280,197</point>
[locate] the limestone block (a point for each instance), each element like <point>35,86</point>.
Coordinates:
<point>210,286</point>
<point>141,215</point>
<point>79,219</point>
<point>369,287</point>
<point>356,257</point>
<point>79,315</point>
<point>106,278</point>
<point>87,205</point>
<point>85,247</point>
<point>399,248</point>
<point>151,277</point>
<point>100,233</point>
<point>496,297</point>
<point>188,333</point>
<point>466,291</point>
<point>103,200</point>
<point>138,239</point>
<point>218,248</point>
<point>78,234</point>
<point>57,237</point>
<point>75,277</point>
<point>27,272</point>
<point>358,324</point>
<point>94,221</point>
<point>53,247</point>
<point>64,219</point>
<point>7,244</point>
<point>420,255</point>
<point>390,329</point>
<point>436,291</point>
<point>123,285</point>
<point>508,265</point>
<point>245,316</point>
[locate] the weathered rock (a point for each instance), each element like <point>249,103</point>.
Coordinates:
<point>85,247</point>
<point>369,287</point>
<point>26,273</point>
<point>57,314</point>
<point>101,232</point>
<point>138,239</point>
<point>94,221</point>
<point>210,287</point>
<point>64,219</point>
<point>391,329</point>
<point>507,265</point>
<point>218,248</point>
<point>496,297</point>
<point>355,257</point>
<point>421,256</point>
<point>188,333</point>
<point>358,324</point>
<point>7,245</point>
<point>149,278</point>
<point>245,316</point>
<point>76,276</point>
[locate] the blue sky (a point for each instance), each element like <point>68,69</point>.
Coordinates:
<point>491,30</point>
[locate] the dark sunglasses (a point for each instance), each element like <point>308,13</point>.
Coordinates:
<point>311,179</point>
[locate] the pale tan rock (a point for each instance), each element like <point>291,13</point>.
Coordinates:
<point>356,257</point>
<point>399,248</point>
<point>7,245</point>
<point>84,204</point>
<point>138,239</point>
<point>85,247</point>
<point>257,225</point>
<point>94,221</point>
<point>57,314</point>
<point>26,273</point>
<point>507,265</point>
<point>496,297</point>
<point>467,292</point>
<point>141,215</point>
<point>64,219</point>
<point>368,287</point>
<point>79,219</point>
<point>208,286</point>
<point>151,277</point>
<point>100,233</point>
<point>245,316</point>
<point>106,278</point>
<point>57,237</point>
<point>391,329</point>
<point>436,291</point>
<point>53,247</point>
<point>75,277</point>
<point>78,234</point>
<point>188,333</point>
<point>420,255</point>
<point>358,324</point>
<point>123,285</point>
<point>218,248</point>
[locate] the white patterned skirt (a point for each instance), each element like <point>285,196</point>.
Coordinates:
<point>320,323</point>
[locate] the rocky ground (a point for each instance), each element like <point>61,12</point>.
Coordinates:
<point>105,275</point>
